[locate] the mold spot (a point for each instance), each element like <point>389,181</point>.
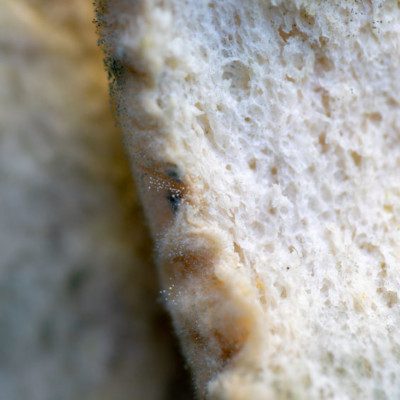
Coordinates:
<point>114,69</point>
<point>196,337</point>
<point>167,180</point>
<point>174,198</point>
<point>173,173</point>
<point>238,74</point>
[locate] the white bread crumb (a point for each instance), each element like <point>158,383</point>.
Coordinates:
<point>281,121</point>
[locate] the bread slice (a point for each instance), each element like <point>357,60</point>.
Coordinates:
<point>78,313</point>
<point>265,139</point>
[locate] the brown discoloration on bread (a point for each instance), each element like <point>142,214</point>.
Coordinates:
<point>190,263</point>
<point>230,344</point>
<point>292,33</point>
<point>162,174</point>
<point>214,323</point>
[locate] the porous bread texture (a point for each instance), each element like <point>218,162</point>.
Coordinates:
<point>78,312</point>
<point>265,138</point>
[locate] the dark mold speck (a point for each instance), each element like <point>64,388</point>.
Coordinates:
<point>175,198</point>
<point>114,69</point>
<point>174,174</point>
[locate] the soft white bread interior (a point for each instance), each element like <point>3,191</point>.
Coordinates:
<point>78,316</point>
<point>265,138</point>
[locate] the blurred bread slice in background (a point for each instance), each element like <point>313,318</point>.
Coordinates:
<point>79,317</point>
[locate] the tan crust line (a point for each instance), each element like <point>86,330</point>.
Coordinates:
<point>216,324</point>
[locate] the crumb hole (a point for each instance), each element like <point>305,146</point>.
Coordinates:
<point>276,368</point>
<point>323,64</point>
<point>365,367</point>
<point>290,79</point>
<point>258,227</point>
<point>189,78</point>
<point>272,210</point>
<point>307,18</point>
<point>341,371</point>
<point>388,208</point>
<point>237,19</point>
<point>261,59</point>
<point>269,247</point>
<point>322,143</point>
<point>390,297</point>
<point>199,106</point>
<point>326,103</point>
<point>375,116</point>
<point>238,74</point>
<point>204,53</point>
<point>204,122</point>
<point>323,41</point>
<point>357,159</point>
<point>285,36</point>
<point>172,62</point>
<point>330,357</point>
<point>159,102</point>
<point>392,102</point>
<point>252,164</point>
